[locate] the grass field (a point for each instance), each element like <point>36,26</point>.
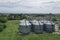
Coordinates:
<point>10,33</point>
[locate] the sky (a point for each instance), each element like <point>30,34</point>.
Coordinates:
<point>30,6</point>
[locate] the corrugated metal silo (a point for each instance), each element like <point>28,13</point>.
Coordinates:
<point>49,26</point>
<point>24,27</point>
<point>37,26</point>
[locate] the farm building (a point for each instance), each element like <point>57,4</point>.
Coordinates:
<point>37,26</point>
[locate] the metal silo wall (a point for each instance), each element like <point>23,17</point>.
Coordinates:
<point>24,29</point>
<point>38,28</point>
<point>49,28</point>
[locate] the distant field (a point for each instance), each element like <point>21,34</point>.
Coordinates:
<point>10,33</point>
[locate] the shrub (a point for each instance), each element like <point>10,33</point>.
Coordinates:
<point>2,26</point>
<point>3,19</point>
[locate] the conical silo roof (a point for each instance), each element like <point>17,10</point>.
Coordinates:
<point>24,22</point>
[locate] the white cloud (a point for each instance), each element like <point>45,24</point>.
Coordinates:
<point>30,6</point>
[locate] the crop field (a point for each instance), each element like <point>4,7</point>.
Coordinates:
<point>11,33</point>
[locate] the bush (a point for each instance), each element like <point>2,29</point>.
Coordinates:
<point>16,17</point>
<point>2,26</point>
<point>3,19</point>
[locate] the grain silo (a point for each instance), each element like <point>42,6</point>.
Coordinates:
<point>57,25</point>
<point>37,26</point>
<point>24,27</point>
<point>49,26</point>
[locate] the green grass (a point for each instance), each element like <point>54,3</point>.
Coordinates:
<point>10,33</point>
